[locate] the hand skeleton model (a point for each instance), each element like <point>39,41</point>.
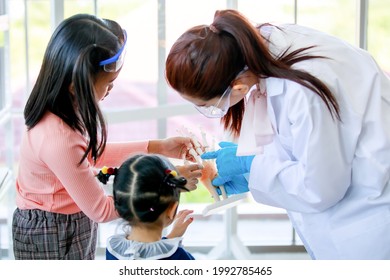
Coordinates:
<point>209,172</point>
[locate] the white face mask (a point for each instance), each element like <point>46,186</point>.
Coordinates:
<point>222,106</point>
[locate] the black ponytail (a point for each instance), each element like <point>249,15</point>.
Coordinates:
<point>83,76</point>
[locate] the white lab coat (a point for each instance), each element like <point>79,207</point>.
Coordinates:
<point>332,177</point>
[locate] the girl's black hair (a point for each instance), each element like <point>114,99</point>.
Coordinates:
<point>65,84</point>
<point>144,187</point>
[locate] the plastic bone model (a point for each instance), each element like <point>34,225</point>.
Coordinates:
<point>209,172</point>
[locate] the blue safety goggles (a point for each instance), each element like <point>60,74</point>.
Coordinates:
<point>113,64</point>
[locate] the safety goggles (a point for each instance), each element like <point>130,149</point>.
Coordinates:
<point>222,105</point>
<point>113,64</point>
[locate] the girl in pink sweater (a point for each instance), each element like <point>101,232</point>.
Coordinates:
<point>59,200</point>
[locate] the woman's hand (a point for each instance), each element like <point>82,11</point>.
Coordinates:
<point>228,164</point>
<point>182,221</point>
<point>233,184</point>
<point>173,147</point>
<point>191,172</point>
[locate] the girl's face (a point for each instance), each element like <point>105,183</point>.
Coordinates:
<point>104,83</point>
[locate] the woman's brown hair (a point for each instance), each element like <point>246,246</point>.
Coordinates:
<point>205,60</point>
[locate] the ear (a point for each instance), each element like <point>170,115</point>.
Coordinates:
<point>172,209</point>
<point>240,88</point>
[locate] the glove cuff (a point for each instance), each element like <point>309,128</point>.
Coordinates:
<point>246,163</point>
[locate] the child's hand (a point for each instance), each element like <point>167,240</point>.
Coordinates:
<point>192,172</point>
<point>181,223</point>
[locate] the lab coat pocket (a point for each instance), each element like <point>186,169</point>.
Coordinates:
<point>366,239</point>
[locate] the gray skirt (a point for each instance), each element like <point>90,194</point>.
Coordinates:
<point>41,235</point>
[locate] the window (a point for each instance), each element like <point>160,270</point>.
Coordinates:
<point>141,106</point>
<point>6,132</point>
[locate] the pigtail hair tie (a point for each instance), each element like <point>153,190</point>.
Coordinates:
<point>214,29</point>
<point>105,173</point>
<point>173,180</point>
<point>170,174</point>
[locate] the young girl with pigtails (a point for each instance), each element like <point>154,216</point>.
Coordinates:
<point>146,191</point>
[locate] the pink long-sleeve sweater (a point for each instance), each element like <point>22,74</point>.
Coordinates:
<point>50,179</point>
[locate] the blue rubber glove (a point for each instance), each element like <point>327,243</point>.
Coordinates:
<point>232,184</point>
<point>228,164</point>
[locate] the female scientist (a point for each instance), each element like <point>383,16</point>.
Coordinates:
<point>311,116</point>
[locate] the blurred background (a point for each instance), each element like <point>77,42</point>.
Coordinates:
<point>142,106</point>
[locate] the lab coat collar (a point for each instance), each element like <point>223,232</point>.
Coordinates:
<point>256,127</point>
<point>275,86</point>
<point>254,134</point>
